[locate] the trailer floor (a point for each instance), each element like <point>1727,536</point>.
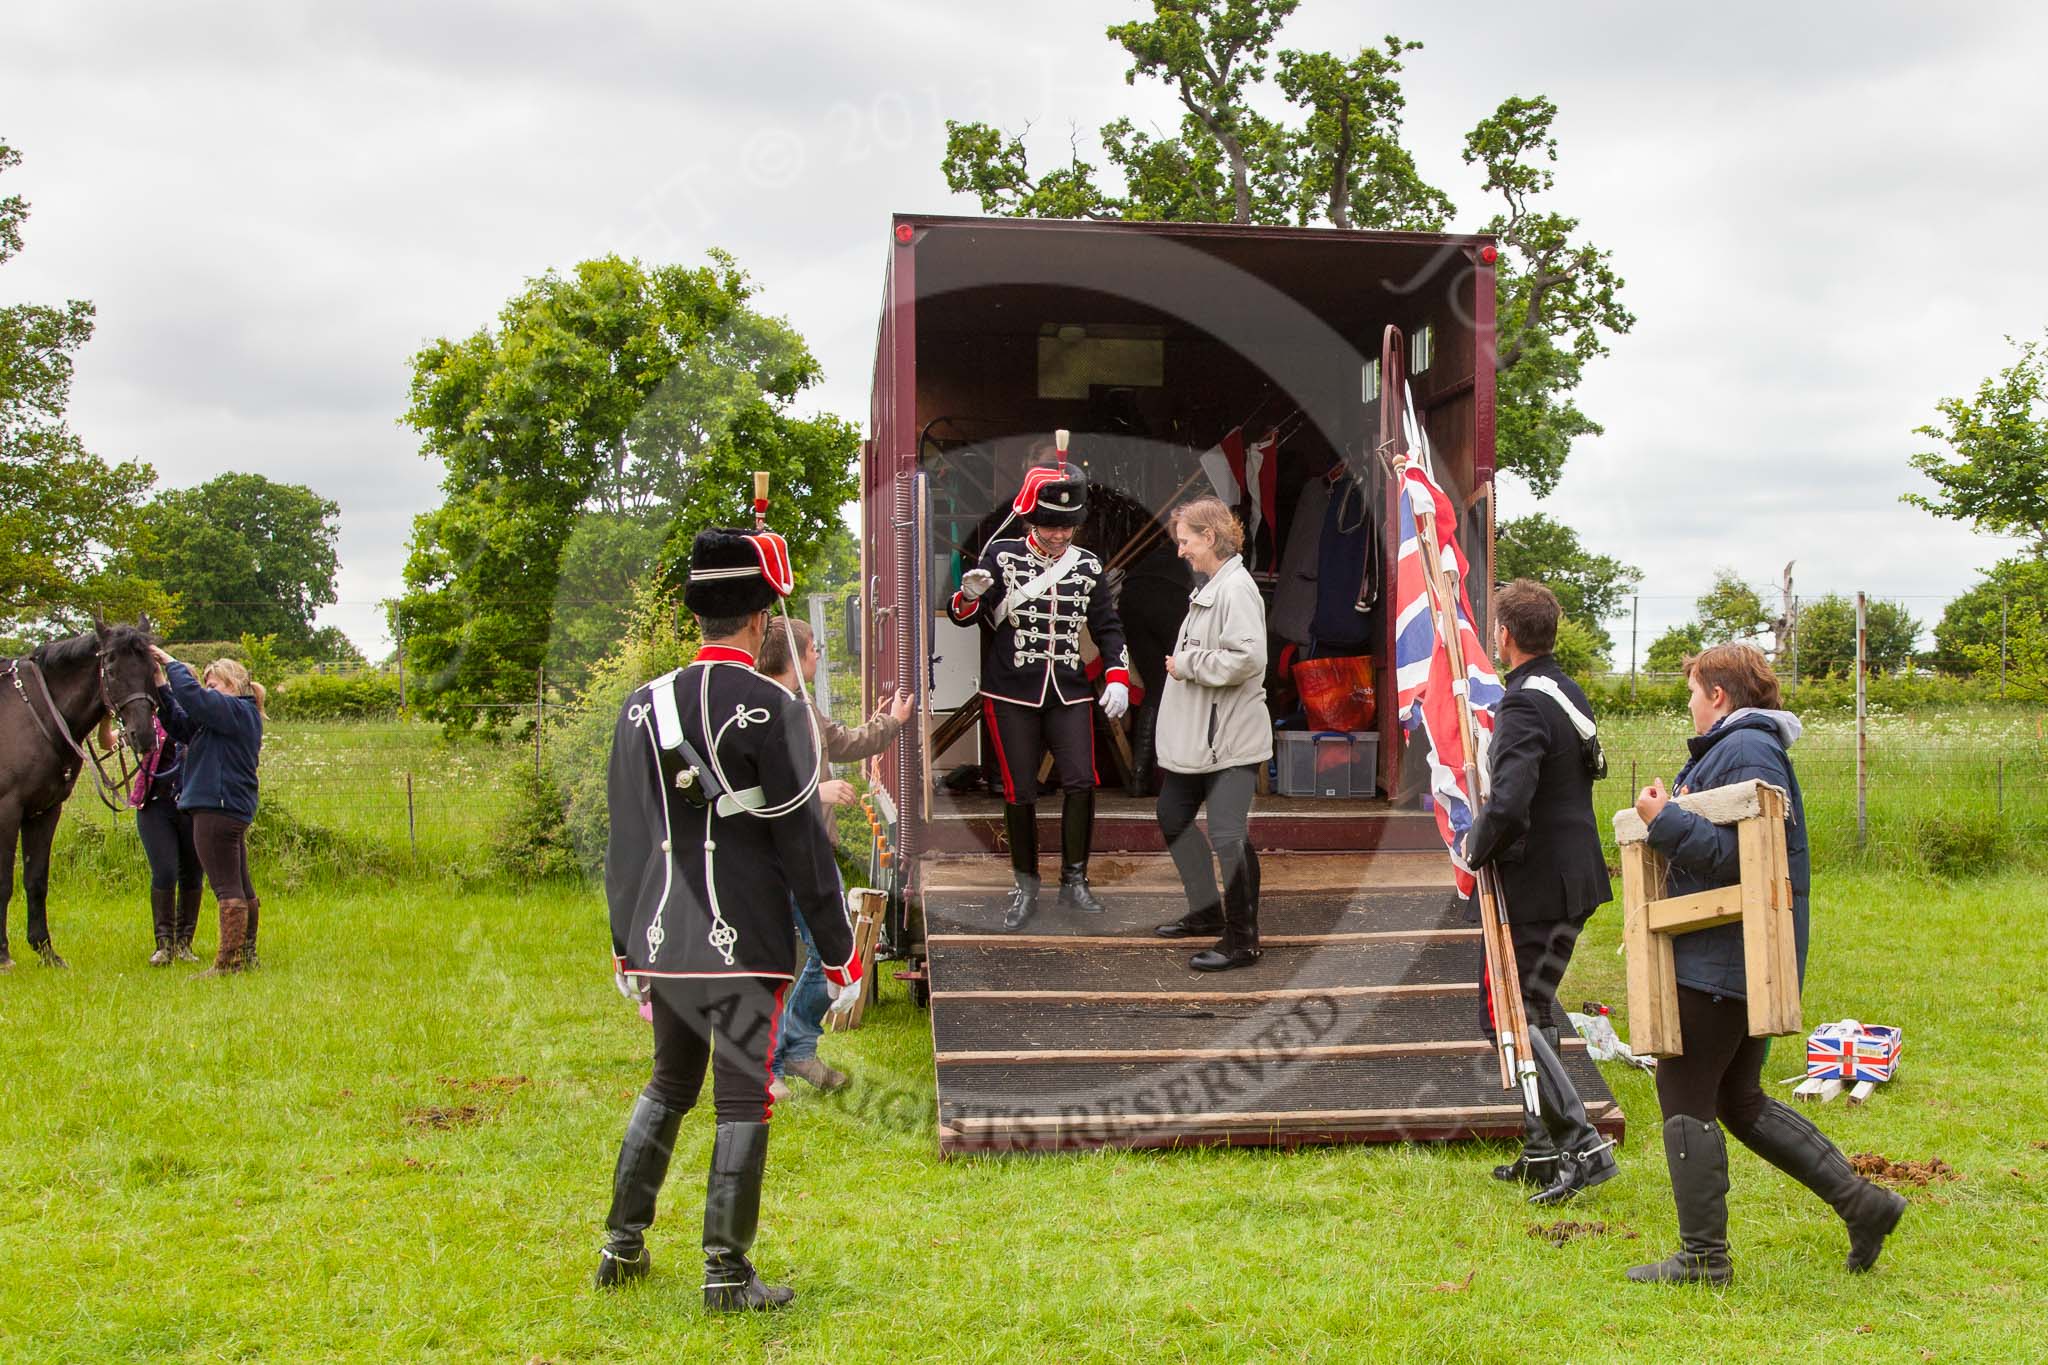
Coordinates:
<point>1359,1024</point>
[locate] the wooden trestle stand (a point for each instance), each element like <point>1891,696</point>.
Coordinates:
<point>1761,902</point>
<point>866,906</point>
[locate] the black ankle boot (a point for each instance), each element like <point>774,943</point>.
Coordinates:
<point>1194,924</point>
<point>1788,1140</point>
<point>636,1184</point>
<point>1020,824</point>
<point>1537,1164</point>
<point>1698,1157</point>
<point>1077,832</point>
<point>732,1211</point>
<point>1585,1159</point>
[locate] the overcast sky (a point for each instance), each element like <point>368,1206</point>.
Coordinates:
<point>1826,215</point>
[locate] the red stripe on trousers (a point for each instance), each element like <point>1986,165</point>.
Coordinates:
<point>775,1022</point>
<point>995,735</point>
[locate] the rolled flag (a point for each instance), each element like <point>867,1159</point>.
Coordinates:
<point>1262,475</point>
<point>1224,464</point>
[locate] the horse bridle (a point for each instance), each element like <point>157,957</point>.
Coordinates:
<point>58,731</point>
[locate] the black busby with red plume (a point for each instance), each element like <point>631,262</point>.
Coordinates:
<point>734,572</point>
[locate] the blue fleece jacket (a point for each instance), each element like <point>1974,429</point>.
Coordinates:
<point>1742,745</point>
<point>224,744</point>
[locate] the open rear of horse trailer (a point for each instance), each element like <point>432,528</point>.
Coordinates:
<point>1156,344</point>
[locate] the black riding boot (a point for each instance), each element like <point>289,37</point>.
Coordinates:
<point>1239,946</point>
<point>163,913</point>
<point>1585,1159</point>
<point>636,1184</point>
<point>1020,823</point>
<point>1537,1165</point>
<point>1788,1140</point>
<point>1698,1157</point>
<point>732,1211</point>
<point>1144,750</point>
<point>1077,832</point>
<point>187,922</point>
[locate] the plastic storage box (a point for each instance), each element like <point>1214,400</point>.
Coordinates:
<point>1326,763</point>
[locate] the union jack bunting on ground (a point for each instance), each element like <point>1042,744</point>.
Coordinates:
<point>1427,689</point>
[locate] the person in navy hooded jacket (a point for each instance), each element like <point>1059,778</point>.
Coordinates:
<point>1741,734</point>
<point>219,719</point>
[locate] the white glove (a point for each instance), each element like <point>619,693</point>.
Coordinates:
<point>975,582</point>
<point>841,1008</point>
<point>1116,699</point>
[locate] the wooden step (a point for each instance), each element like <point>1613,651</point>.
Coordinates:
<point>1136,913</point>
<point>1258,1096</point>
<point>996,963</point>
<point>1010,1023</point>
<point>1335,874</point>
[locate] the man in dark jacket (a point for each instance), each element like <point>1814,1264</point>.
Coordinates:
<point>1537,831</point>
<point>715,829</point>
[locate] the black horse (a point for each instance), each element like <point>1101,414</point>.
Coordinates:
<point>50,703</point>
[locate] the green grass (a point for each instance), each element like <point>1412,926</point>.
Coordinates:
<point>234,1171</point>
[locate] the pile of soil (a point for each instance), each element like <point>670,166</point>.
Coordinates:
<point>1872,1166</point>
<point>1564,1230</point>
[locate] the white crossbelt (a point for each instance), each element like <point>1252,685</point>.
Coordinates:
<point>1581,722</point>
<point>1041,584</point>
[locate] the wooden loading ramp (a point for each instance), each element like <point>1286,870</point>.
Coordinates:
<point>1360,1024</point>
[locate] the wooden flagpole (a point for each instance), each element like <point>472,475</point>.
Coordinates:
<point>1510,1021</point>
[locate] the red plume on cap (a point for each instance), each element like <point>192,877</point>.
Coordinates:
<point>1035,478</point>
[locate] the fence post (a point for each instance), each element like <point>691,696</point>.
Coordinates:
<point>412,831</point>
<point>1795,642</point>
<point>821,690</point>
<point>1635,613</point>
<point>2001,646</point>
<point>1862,772</point>
<point>2001,787</point>
<point>540,712</point>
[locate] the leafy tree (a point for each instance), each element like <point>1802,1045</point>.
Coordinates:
<point>1967,639</point>
<point>1827,637</point>
<point>1578,650</point>
<point>640,395</point>
<point>244,555</point>
<point>1669,651</point>
<point>1592,589</point>
<point>1556,295</point>
<point>1344,162</point>
<point>329,645</point>
<point>64,512</point>
<point>1731,610</point>
<point>1999,478</point>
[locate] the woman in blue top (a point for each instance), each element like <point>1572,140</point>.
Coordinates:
<point>1741,734</point>
<point>174,876</point>
<point>223,722</point>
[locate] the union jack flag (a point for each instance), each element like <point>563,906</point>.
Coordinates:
<point>1427,689</point>
<point>1849,1051</point>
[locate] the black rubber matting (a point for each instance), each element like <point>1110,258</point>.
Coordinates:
<point>1099,1025</point>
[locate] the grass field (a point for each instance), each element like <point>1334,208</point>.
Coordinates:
<point>395,1144</point>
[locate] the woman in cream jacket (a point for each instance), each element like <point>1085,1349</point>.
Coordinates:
<point>1214,733</point>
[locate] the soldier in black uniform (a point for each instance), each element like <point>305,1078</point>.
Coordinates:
<point>1032,594</point>
<point>1538,832</point>
<point>715,827</point>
